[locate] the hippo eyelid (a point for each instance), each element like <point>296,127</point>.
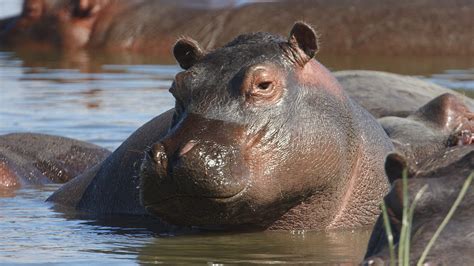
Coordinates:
<point>261,85</point>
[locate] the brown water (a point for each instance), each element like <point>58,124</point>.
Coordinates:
<point>104,99</point>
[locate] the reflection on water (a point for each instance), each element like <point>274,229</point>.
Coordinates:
<point>102,99</point>
<point>262,248</point>
<point>102,106</point>
<point>32,233</point>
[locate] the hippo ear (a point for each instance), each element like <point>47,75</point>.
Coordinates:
<point>395,163</point>
<point>445,111</point>
<point>303,39</point>
<point>187,52</point>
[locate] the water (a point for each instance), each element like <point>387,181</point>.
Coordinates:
<point>32,233</point>
<point>10,8</point>
<point>103,99</point>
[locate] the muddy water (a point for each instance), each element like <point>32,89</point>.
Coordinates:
<point>102,100</point>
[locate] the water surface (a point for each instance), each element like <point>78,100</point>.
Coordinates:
<point>103,99</point>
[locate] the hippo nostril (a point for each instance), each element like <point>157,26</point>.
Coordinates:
<point>158,153</point>
<point>186,148</point>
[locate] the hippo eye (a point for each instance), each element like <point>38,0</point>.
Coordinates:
<point>262,85</point>
<point>265,85</point>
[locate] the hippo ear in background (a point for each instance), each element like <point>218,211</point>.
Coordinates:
<point>187,52</point>
<point>445,111</point>
<point>303,39</point>
<point>394,165</point>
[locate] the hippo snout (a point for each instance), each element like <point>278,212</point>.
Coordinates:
<point>201,168</point>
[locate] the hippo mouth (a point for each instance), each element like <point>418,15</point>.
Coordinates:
<point>217,199</point>
<point>195,208</point>
<point>162,196</point>
<point>215,213</point>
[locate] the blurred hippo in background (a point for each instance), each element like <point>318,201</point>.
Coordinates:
<point>445,173</point>
<point>36,26</point>
<point>28,158</point>
<point>66,24</point>
<point>151,26</point>
<point>387,94</point>
<point>261,137</point>
<point>441,123</point>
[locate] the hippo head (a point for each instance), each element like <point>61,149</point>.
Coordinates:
<point>36,23</point>
<point>257,129</point>
<point>33,9</point>
<point>443,175</point>
<point>52,23</point>
<point>441,123</point>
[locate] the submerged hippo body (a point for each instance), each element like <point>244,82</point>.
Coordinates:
<point>441,123</point>
<point>262,136</point>
<point>151,26</point>
<point>444,174</point>
<point>27,158</point>
<point>387,94</point>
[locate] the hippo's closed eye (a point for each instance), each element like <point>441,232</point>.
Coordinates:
<point>262,85</point>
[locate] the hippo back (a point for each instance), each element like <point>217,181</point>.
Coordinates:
<point>387,94</point>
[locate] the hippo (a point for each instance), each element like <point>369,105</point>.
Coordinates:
<point>36,26</point>
<point>71,25</point>
<point>65,24</point>
<point>247,145</point>
<point>32,158</point>
<point>443,122</point>
<point>151,26</point>
<point>85,21</point>
<point>435,145</point>
<point>388,94</point>
<point>444,174</point>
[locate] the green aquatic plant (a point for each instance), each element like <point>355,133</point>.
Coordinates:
<point>408,211</point>
<point>407,219</point>
<point>388,231</point>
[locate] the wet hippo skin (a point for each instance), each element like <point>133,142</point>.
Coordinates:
<point>445,174</point>
<point>30,158</point>
<point>441,123</point>
<point>387,94</point>
<point>436,145</point>
<point>262,136</point>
